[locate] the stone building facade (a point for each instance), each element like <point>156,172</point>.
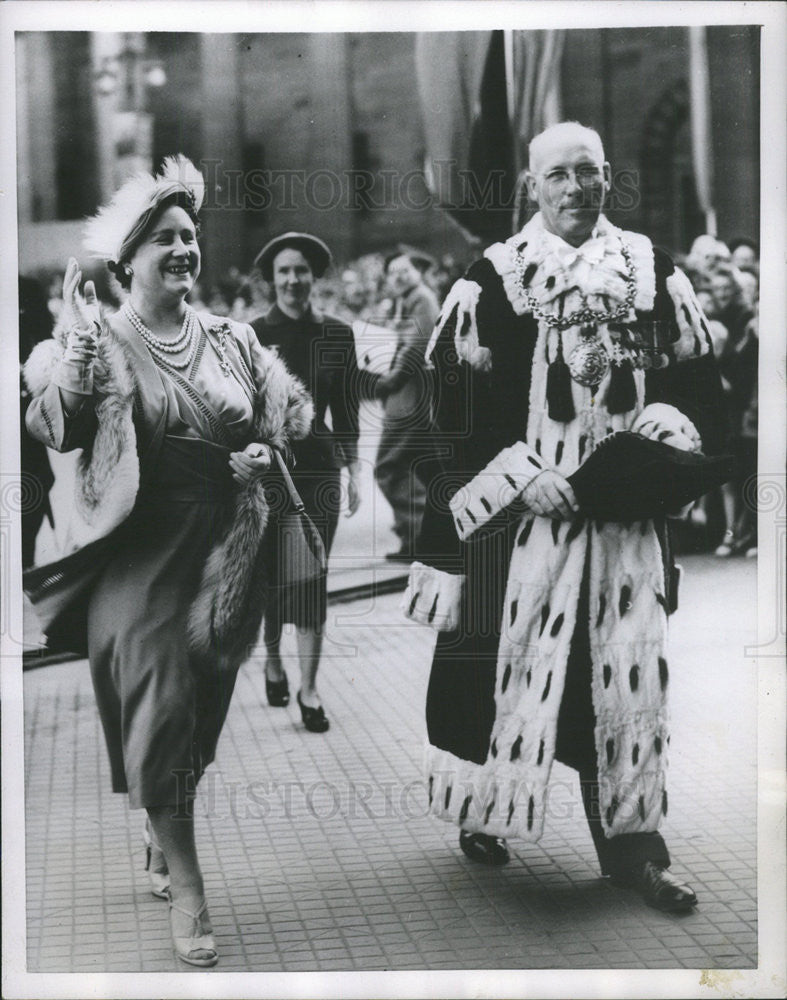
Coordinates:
<point>324,132</point>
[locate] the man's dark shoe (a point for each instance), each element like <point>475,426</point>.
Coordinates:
<point>484,849</point>
<point>661,890</point>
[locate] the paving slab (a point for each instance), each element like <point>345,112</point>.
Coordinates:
<point>317,851</point>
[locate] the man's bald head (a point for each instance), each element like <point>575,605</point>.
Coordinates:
<point>562,133</point>
<point>568,179</point>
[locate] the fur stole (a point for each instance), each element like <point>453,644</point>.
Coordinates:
<point>225,616</point>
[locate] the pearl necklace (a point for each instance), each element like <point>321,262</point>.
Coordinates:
<point>162,350</point>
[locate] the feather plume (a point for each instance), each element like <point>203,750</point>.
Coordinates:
<point>179,168</point>
<point>104,233</point>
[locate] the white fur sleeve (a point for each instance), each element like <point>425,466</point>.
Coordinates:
<point>694,339</point>
<point>663,422</point>
<point>496,486</point>
<point>433,597</point>
<point>463,301</point>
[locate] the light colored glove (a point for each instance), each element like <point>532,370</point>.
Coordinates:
<point>662,422</point>
<point>82,318</point>
<point>253,461</point>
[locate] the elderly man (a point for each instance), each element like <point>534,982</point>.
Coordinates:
<point>404,449</point>
<point>552,627</point>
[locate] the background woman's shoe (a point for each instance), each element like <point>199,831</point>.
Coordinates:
<point>313,718</point>
<point>728,546</point>
<point>277,692</point>
<point>199,946</point>
<point>155,865</point>
<point>662,890</point>
<point>484,849</point>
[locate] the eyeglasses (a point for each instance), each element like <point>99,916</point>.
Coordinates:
<point>565,178</point>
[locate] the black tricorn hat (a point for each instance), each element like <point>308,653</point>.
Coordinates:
<point>312,248</point>
<point>633,478</point>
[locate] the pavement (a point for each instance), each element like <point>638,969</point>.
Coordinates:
<point>317,851</point>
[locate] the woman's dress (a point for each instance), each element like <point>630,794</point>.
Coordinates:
<point>162,709</point>
<point>320,351</point>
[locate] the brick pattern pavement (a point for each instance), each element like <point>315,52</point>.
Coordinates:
<point>316,851</point>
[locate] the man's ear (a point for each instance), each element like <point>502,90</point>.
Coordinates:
<point>530,181</point>
<point>607,177</point>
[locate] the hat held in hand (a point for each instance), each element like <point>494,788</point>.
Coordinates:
<point>633,478</point>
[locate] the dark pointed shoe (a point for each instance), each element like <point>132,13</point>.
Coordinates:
<point>313,718</point>
<point>277,692</point>
<point>484,849</point>
<point>661,890</point>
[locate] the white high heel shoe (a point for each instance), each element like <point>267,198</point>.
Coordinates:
<point>155,865</point>
<point>199,948</point>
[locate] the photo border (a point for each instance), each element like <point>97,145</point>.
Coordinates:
<point>224,16</point>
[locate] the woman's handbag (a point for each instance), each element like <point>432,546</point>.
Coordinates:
<point>301,562</point>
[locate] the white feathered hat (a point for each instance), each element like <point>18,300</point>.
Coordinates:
<point>106,233</point>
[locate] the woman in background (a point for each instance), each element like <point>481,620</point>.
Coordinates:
<point>319,350</point>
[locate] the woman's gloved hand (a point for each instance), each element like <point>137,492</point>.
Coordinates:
<point>82,319</point>
<point>253,461</point>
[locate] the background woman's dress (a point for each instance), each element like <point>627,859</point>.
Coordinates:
<point>320,351</point>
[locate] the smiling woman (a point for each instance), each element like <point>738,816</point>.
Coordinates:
<point>177,413</point>
<point>320,350</point>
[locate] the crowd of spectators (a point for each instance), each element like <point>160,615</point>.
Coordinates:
<point>726,280</point>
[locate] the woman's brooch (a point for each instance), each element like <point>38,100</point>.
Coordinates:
<point>222,333</point>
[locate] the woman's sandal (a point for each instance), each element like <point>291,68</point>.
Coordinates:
<point>198,948</point>
<point>155,865</point>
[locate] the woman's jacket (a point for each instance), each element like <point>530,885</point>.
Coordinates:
<point>120,432</point>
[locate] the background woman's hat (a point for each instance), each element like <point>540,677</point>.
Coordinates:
<point>312,248</point>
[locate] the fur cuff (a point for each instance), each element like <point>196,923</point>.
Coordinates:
<point>433,597</point>
<point>40,367</point>
<point>694,334</point>
<point>663,422</point>
<point>495,487</point>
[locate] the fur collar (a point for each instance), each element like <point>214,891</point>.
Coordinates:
<point>561,274</point>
